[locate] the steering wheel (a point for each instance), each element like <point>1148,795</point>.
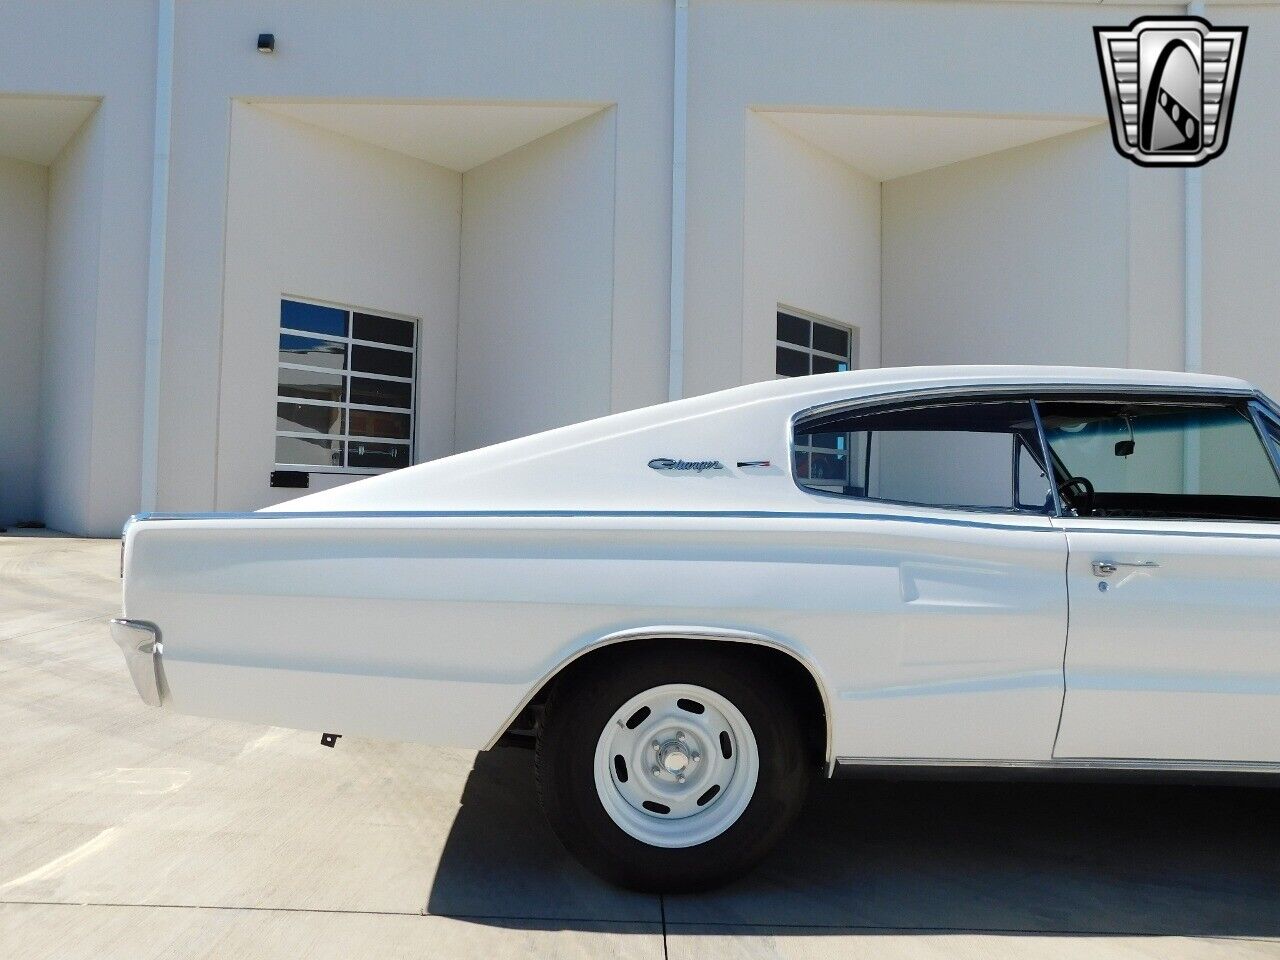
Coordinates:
<point>1078,493</point>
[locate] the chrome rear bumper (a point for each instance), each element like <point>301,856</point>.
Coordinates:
<point>140,643</point>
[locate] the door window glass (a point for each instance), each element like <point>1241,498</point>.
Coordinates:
<point>1033,491</point>
<point>1188,460</point>
<point>968,456</point>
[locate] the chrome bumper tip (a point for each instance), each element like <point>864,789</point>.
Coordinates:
<point>140,643</point>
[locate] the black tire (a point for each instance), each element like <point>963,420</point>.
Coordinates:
<point>583,703</point>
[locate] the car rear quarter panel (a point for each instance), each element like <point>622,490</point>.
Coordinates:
<point>436,628</point>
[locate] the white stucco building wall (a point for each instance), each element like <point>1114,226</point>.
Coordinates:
<point>84,71</point>
<point>366,228</point>
<point>938,176</point>
<point>811,242</point>
<point>544,210</point>
<point>961,242</point>
<point>24,199</point>
<point>1241,214</point>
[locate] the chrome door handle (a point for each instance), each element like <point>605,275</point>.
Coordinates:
<point>1105,568</point>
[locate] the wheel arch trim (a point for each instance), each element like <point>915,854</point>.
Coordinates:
<point>683,632</point>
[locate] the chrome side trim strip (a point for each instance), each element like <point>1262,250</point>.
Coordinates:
<point>1067,763</point>
<point>139,641</point>
<point>988,523</point>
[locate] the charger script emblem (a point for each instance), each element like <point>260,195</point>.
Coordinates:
<point>697,466</point>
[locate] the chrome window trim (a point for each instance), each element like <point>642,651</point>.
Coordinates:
<point>1261,412</point>
<point>1047,454</point>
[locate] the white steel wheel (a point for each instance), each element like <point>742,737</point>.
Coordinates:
<point>676,765</point>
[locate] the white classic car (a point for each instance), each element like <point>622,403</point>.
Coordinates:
<point>693,608</point>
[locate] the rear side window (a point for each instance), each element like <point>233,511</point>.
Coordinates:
<point>973,455</point>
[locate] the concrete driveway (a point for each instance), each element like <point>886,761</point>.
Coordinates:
<point>127,832</point>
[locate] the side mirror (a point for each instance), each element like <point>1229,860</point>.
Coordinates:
<point>1125,448</point>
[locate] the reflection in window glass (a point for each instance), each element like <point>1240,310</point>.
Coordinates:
<point>327,354</point>
<point>366,326</point>
<point>379,423</point>
<point>313,318</point>
<point>388,456</point>
<point>391,363</point>
<point>308,418</point>
<point>791,363</point>
<point>312,385</point>
<point>381,393</point>
<point>957,455</point>
<point>309,451</point>
<point>321,405</point>
<point>831,340</point>
<point>793,329</point>
<point>1033,491</point>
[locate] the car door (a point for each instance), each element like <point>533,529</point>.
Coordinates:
<point>939,612</point>
<point>1173,649</point>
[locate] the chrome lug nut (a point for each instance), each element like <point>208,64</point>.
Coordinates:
<point>680,736</point>
<point>695,757</point>
<point>656,771</point>
<point>680,778</point>
<point>656,746</point>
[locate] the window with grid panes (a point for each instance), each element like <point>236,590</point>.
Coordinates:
<point>805,347</point>
<point>344,400</point>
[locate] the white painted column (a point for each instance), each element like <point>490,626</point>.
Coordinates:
<point>150,477</point>
<point>679,150</point>
<point>1193,256</point>
<point>1193,294</point>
